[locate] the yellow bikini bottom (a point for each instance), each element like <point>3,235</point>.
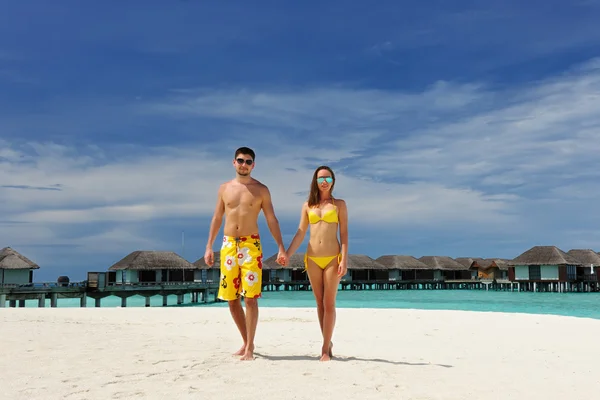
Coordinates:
<point>322,262</point>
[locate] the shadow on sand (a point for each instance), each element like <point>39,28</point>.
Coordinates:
<point>345,359</point>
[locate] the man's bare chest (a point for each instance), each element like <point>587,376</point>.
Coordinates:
<point>242,197</point>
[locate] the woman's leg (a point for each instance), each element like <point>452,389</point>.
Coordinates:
<point>315,276</point>
<point>331,282</point>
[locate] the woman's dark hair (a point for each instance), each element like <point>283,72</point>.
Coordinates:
<point>314,195</point>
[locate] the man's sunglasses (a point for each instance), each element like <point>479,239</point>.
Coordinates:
<point>241,161</point>
<point>327,178</point>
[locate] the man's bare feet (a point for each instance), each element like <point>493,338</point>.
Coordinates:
<point>248,354</point>
<point>241,351</point>
<point>325,357</point>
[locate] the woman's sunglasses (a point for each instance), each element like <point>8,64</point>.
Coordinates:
<point>327,178</point>
<point>241,161</point>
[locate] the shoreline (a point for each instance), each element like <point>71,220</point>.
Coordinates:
<point>185,352</point>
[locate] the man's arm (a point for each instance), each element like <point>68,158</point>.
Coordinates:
<point>215,223</point>
<point>272,222</point>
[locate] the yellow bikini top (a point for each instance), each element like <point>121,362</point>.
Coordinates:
<point>329,216</point>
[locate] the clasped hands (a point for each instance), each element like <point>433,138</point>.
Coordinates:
<point>282,258</point>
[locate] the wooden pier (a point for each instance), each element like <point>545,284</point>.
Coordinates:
<point>204,292</point>
<point>17,295</point>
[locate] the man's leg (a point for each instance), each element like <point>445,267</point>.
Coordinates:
<point>251,323</point>
<point>230,286</point>
<point>250,259</point>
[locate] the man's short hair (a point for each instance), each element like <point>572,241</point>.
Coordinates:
<point>245,150</point>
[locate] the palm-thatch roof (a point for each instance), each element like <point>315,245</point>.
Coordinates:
<point>544,255</point>
<point>442,262</point>
<point>11,259</point>
<point>465,261</point>
<point>296,261</point>
<point>585,256</point>
<point>201,264</point>
<point>152,260</point>
<point>501,263</point>
<point>361,261</point>
<point>400,262</point>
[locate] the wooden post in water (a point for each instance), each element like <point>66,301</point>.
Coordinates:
<point>147,301</point>
<point>2,300</point>
<point>83,301</point>
<point>123,302</point>
<point>22,303</point>
<point>42,301</point>
<point>98,302</point>
<point>53,300</point>
<point>165,298</point>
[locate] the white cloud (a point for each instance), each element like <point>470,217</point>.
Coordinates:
<point>175,183</point>
<point>315,109</point>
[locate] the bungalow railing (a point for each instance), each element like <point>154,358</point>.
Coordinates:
<point>42,285</point>
<point>157,283</point>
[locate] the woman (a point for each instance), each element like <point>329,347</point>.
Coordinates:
<point>325,259</point>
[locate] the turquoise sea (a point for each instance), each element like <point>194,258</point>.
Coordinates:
<point>568,304</point>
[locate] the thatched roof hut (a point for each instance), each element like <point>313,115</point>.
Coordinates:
<point>296,261</point>
<point>442,262</point>
<point>400,262</point>
<point>585,256</point>
<point>501,263</point>
<point>10,259</point>
<point>465,261</point>
<point>544,255</point>
<point>152,260</point>
<point>361,261</point>
<point>201,264</point>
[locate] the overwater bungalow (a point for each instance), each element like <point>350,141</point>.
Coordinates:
<point>210,274</point>
<point>15,268</point>
<point>363,268</point>
<point>469,262</point>
<point>590,260</point>
<point>445,268</point>
<point>405,268</point>
<point>546,266</point>
<point>491,269</point>
<point>153,267</point>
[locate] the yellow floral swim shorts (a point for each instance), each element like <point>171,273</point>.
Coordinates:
<point>241,268</point>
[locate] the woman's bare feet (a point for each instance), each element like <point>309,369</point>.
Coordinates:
<point>241,351</point>
<point>326,353</point>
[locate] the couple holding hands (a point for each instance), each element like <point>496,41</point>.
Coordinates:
<point>240,201</point>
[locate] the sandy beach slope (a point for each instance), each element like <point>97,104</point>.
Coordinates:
<point>185,353</point>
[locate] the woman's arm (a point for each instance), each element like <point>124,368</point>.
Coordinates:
<point>300,233</point>
<point>343,218</point>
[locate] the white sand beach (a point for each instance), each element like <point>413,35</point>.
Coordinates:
<point>185,353</point>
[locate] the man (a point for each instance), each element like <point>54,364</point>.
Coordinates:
<point>241,200</point>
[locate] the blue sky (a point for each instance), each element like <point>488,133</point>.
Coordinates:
<point>463,129</point>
